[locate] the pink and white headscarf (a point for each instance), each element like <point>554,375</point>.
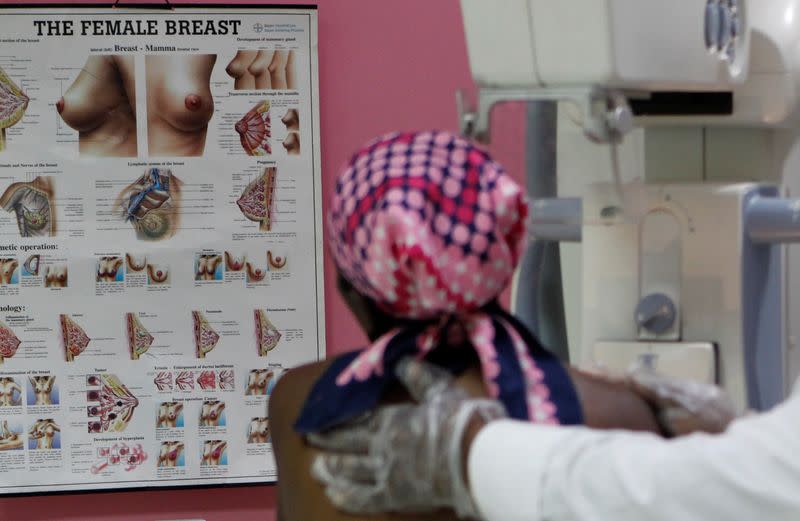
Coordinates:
<point>430,228</point>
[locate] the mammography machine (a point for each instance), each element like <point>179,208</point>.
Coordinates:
<point>677,154</point>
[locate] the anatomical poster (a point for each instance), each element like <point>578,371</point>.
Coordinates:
<point>160,241</point>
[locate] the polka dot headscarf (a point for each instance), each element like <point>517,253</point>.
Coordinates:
<point>426,223</point>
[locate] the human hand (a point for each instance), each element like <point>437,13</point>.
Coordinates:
<point>407,457</point>
<point>683,406</point>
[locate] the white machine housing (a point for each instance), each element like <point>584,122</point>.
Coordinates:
<point>733,299</point>
<point>627,44</point>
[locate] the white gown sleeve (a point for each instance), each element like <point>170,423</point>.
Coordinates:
<point>524,472</point>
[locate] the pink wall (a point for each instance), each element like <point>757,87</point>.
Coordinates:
<point>384,65</point>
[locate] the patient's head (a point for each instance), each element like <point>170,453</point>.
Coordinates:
<point>423,225</point>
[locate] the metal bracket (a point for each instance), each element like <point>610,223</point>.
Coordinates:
<point>606,115</point>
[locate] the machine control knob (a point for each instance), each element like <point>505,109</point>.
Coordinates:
<point>655,313</point>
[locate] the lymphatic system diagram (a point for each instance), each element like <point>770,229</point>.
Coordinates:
<point>139,338</point>
<point>33,205</point>
<point>152,204</point>
<point>120,454</point>
<point>205,338</point>
<point>255,130</point>
<point>256,199</point>
<point>111,404</point>
<point>9,343</point>
<point>267,335</point>
<point>73,336</point>
<point>13,103</point>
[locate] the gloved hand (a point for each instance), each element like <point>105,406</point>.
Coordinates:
<point>683,406</point>
<point>407,457</point>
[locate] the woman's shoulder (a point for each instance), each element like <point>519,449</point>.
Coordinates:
<point>292,389</point>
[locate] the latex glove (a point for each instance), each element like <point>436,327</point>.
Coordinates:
<point>407,457</point>
<point>684,406</point>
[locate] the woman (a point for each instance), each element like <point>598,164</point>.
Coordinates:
<point>426,230</point>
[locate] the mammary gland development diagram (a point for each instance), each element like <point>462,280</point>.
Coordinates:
<point>255,130</point>
<point>255,202</point>
<point>73,336</point>
<point>13,103</point>
<point>33,204</point>
<point>9,343</point>
<point>111,404</point>
<point>139,338</point>
<point>152,205</point>
<point>101,106</point>
<point>267,335</point>
<point>205,338</point>
<point>263,69</point>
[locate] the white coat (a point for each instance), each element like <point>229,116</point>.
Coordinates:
<point>525,472</point>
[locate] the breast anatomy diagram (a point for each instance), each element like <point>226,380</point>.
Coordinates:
<point>160,241</point>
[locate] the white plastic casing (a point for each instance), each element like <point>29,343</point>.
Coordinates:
<point>628,44</point>
<point>769,96</point>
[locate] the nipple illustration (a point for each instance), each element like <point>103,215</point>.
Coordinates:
<point>73,336</point>
<point>255,130</point>
<point>255,202</point>
<point>13,103</point>
<point>193,102</point>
